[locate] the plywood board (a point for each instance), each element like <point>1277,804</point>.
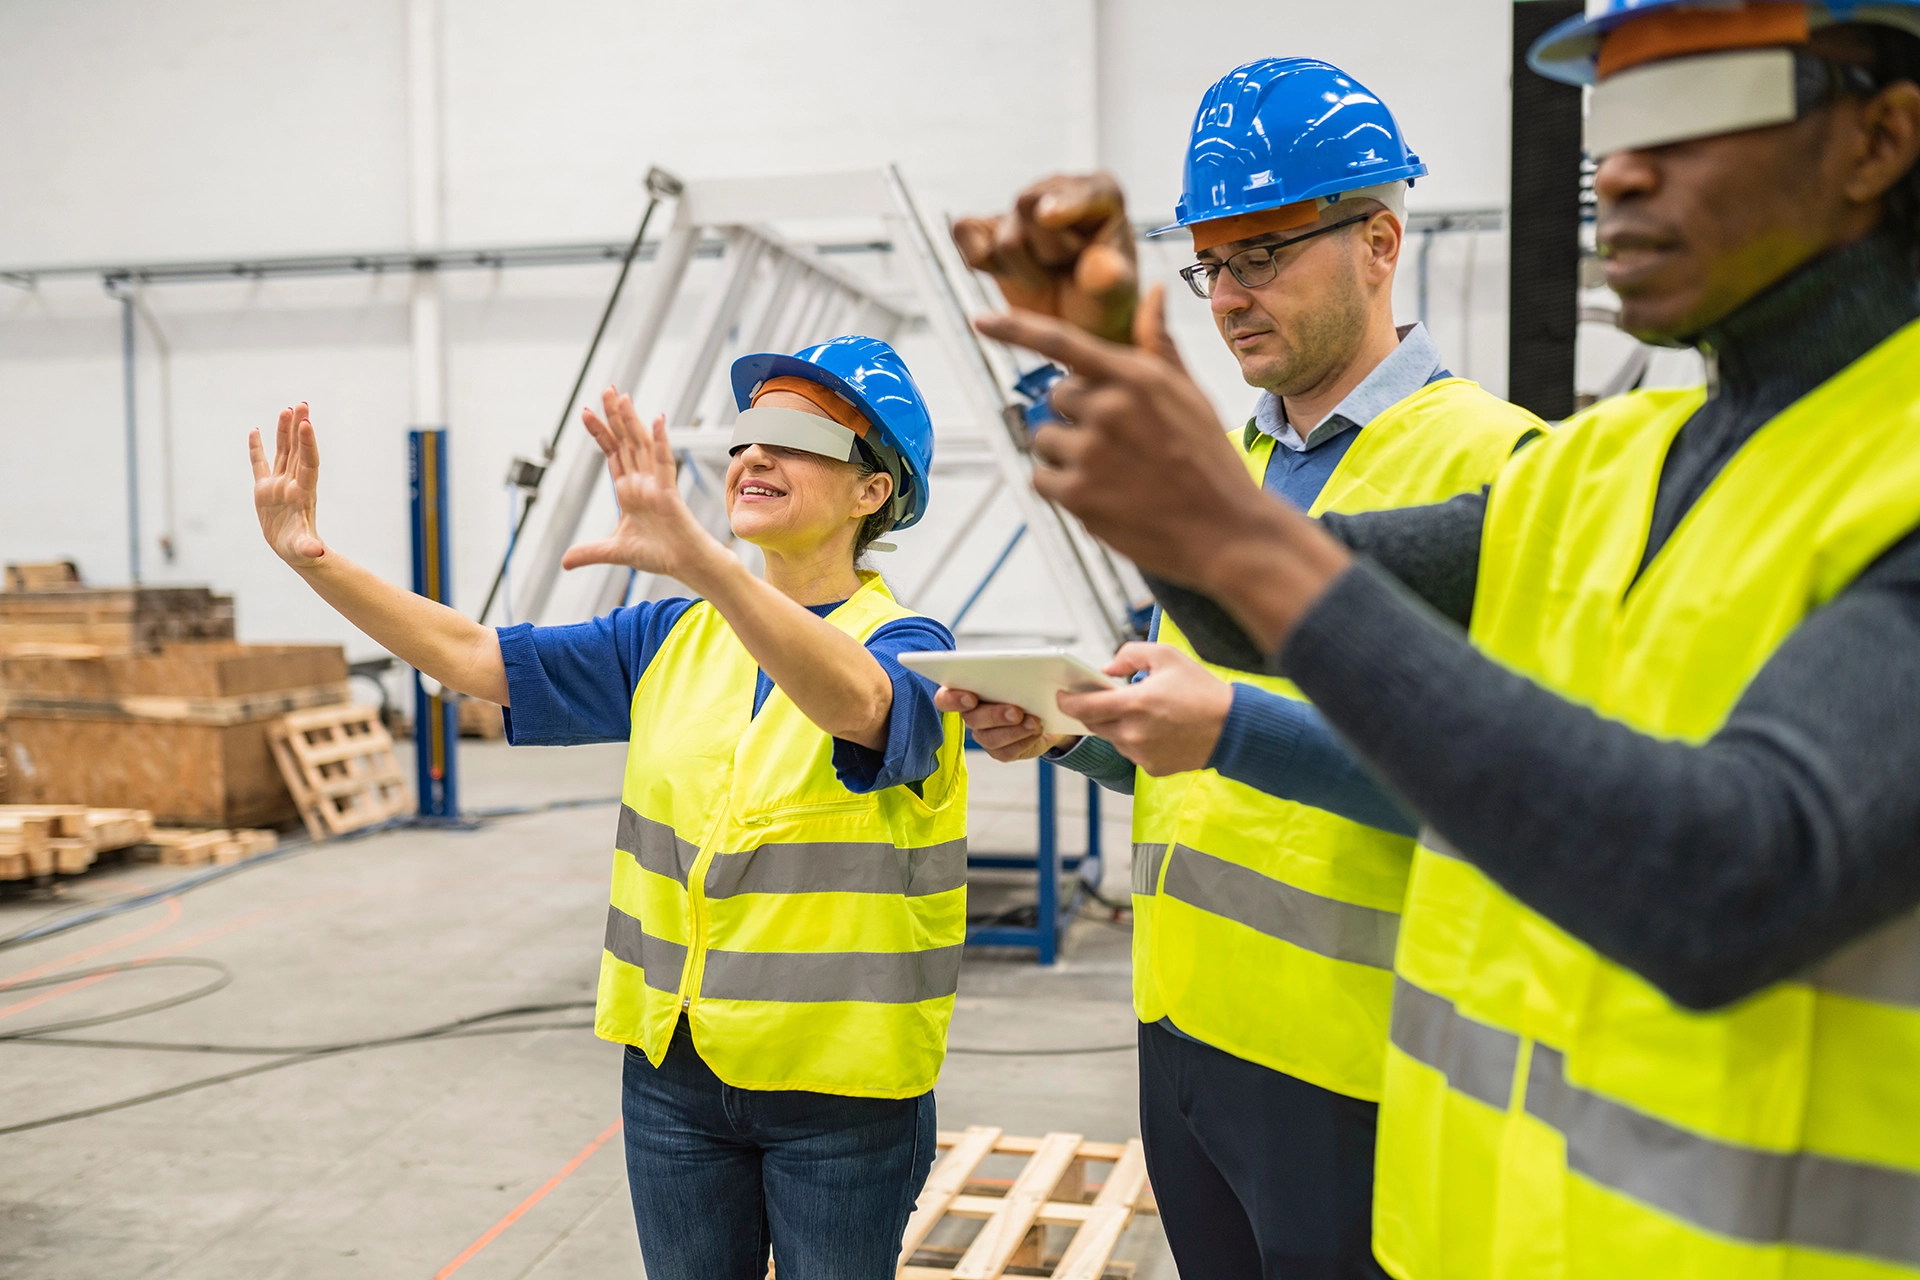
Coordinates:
<point>184,774</point>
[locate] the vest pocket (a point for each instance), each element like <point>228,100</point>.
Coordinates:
<point>767,817</point>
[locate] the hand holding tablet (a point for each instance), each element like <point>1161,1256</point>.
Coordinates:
<point>1025,678</point>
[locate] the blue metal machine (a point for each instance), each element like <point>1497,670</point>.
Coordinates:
<point>1051,915</point>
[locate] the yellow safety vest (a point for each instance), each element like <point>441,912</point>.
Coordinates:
<point>1549,1113</point>
<point>811,936</point>
<point>1264,927</point>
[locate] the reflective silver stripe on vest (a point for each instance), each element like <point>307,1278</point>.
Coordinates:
<point>805,977</point>
<point>661,960</point>
<point>655,846</point>
<point>1476,1059</point>
<point>1146,867</point>
<point>1884,966</point>
<point>1766,1197</point>
<point>1325,926</point>
<point>828,866</point>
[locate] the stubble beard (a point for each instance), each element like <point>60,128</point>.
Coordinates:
<point>1324,339</point>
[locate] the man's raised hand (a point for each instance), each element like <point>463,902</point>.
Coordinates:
<point>1146,465</point>
<point>657,533</point>
<point>286,490</point>
<point>1065,250</point>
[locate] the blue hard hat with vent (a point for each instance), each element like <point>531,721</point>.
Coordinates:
<point>1283,130</point>
<point>871,376</point>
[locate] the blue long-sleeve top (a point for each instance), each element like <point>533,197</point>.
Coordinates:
<point>573,684</point>
<point>1279,745</point>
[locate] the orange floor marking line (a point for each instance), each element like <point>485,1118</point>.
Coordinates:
<point>174,911</point>
<point>491,1233</point>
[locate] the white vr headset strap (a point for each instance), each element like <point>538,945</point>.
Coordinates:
<point>797,429</point>
<point>792,429</point>
<point>1696,97</point>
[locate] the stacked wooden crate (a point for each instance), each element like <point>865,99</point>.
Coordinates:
<point>45,576</point>
<point>108,620</point>
<point>181,731</point>
<point>481,719</point>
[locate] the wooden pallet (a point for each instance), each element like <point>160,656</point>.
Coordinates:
<point>340,766</point>
<point>39,840</point>
<point>1051,1190</point>
<point>190,848</point>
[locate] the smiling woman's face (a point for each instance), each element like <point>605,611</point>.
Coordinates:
<point>792,502</point>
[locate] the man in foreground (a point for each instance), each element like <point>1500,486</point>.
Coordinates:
<point>1656,1009</point>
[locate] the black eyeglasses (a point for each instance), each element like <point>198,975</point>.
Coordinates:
<point>1256,266</point>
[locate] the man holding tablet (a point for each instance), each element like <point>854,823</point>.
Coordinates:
<point>1263,928</point>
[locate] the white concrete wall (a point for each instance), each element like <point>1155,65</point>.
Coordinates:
<point>209,128</point>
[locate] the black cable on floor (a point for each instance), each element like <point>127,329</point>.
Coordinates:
<point>124,966</point>
<point>43,1034</point>
<point>261,1068</point>
<point>462,1030</point>
<point>286,1055</point>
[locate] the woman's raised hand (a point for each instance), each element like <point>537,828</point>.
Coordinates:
<point>657,533</point>
<point>285,490</point>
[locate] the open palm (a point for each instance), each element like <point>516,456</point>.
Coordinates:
<point>657,533</point>
<point>285,490</point>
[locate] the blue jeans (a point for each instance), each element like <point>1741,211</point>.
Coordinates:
<point>719,1175</point>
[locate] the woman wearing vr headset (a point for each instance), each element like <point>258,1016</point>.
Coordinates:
<point>788,900</point>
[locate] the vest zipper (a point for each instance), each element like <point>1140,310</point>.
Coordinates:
<point>696,904</point>
<point>696,966</point>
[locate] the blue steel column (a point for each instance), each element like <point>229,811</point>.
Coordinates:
<point>1093,832</point>
<point>436,736</point>
<point>1047,917</point>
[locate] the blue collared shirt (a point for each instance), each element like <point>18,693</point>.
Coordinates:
<point>1300,467</point>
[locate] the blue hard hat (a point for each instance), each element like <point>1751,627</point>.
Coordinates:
<point>1282,130</point>
<point>1569,51</point>
<point>871,375</point>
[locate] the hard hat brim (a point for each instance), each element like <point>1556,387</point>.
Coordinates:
<point>1415,168</point>
<point>1568,52</point>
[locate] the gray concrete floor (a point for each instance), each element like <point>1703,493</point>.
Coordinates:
<point>397,1160</point>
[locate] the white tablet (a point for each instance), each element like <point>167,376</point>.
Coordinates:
<point>1027,678</point>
